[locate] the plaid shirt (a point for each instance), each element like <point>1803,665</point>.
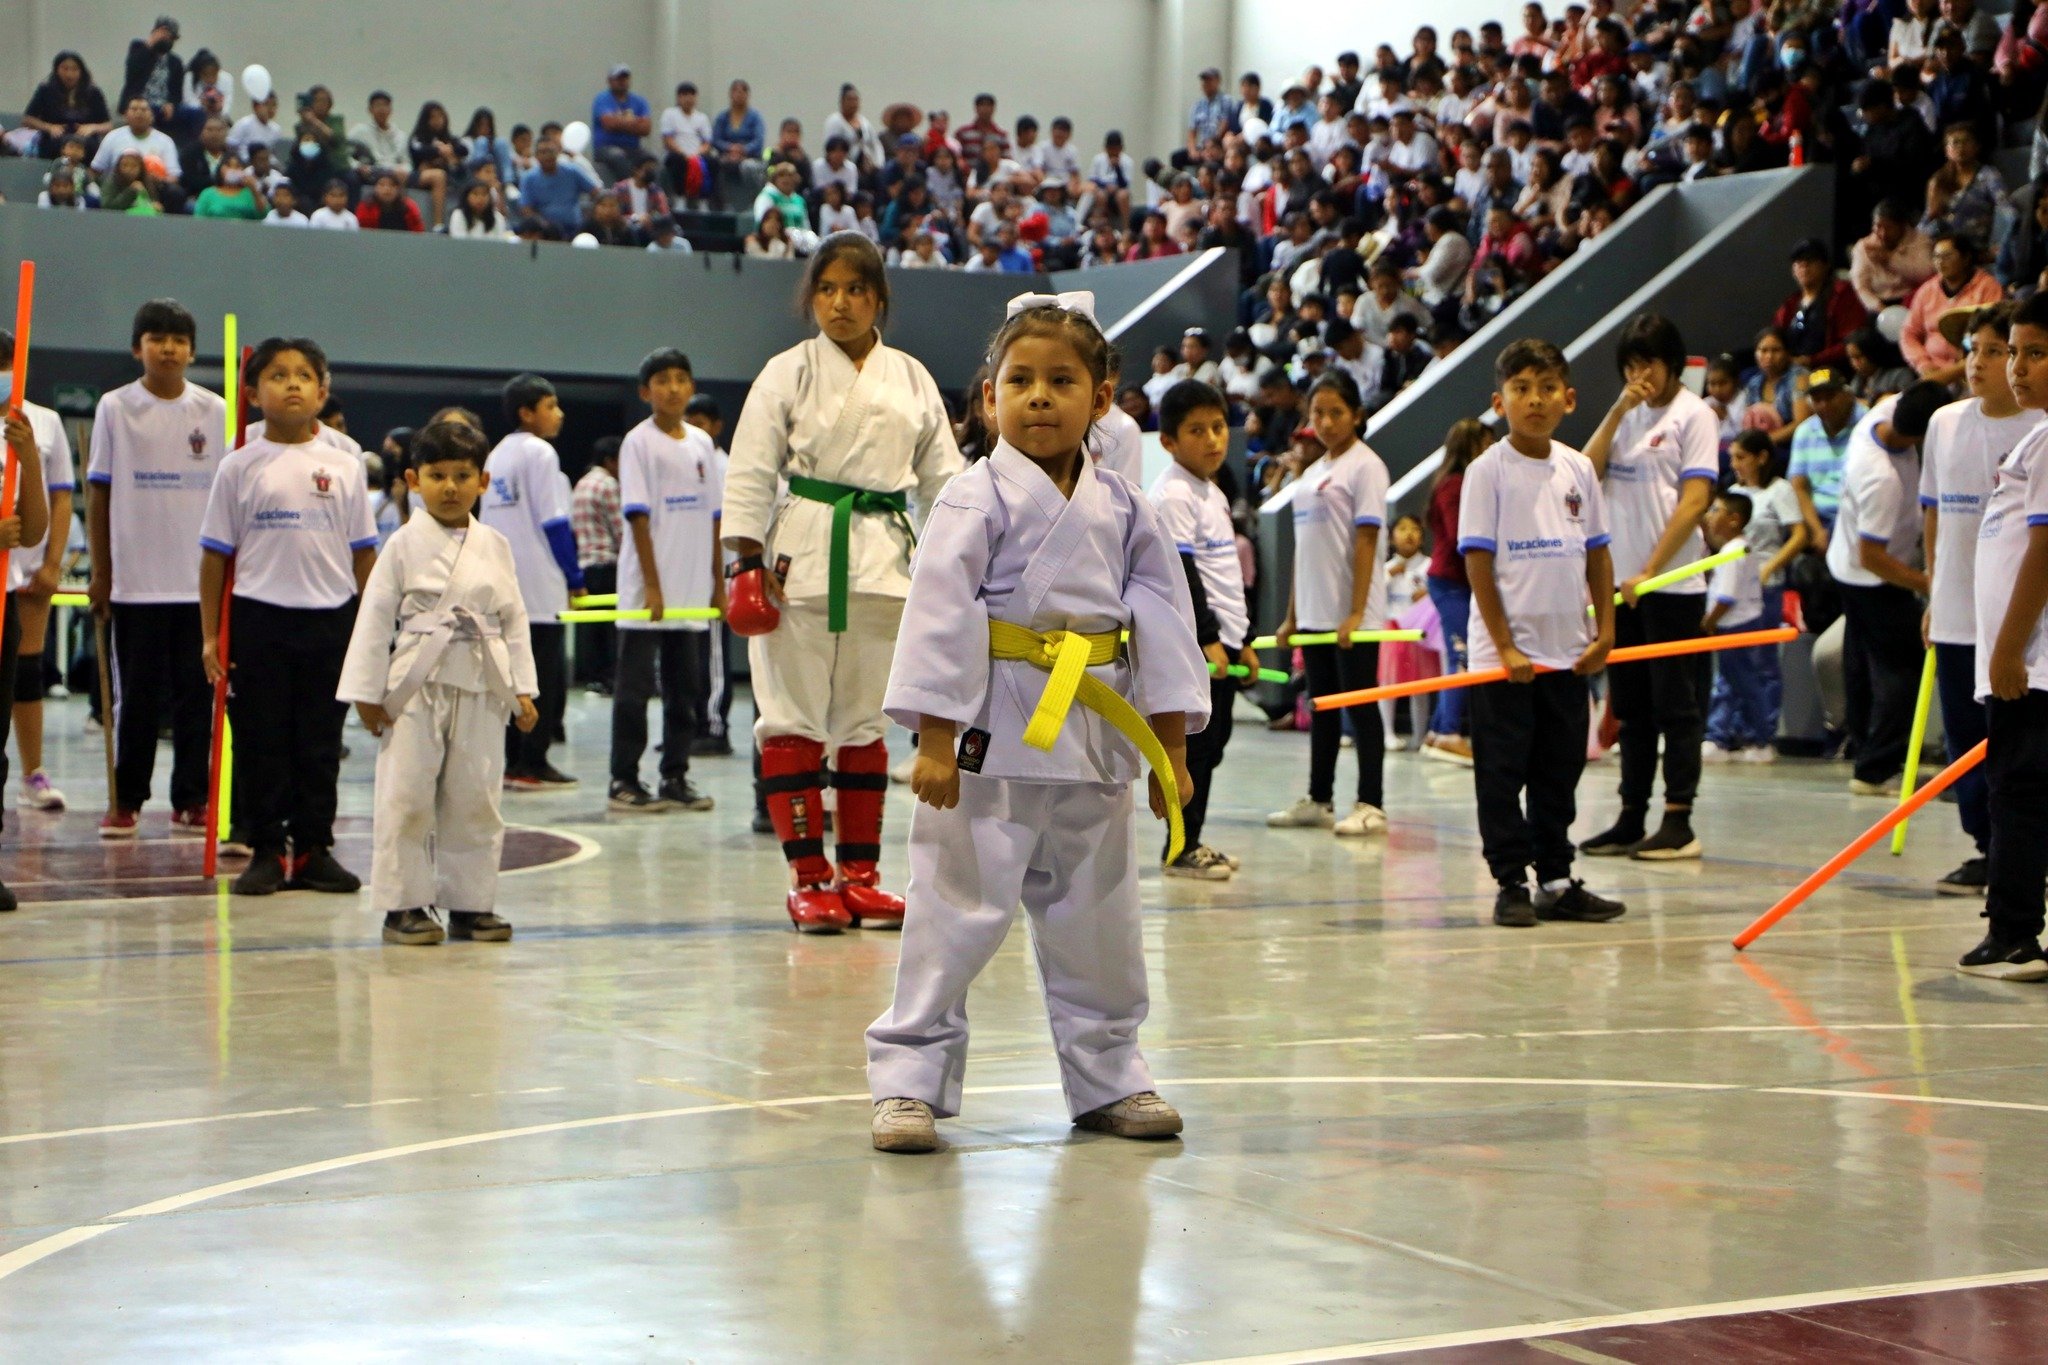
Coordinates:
<point>594,517</point>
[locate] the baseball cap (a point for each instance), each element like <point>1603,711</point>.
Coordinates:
<point>618,69</point>
<point>1826,378</point>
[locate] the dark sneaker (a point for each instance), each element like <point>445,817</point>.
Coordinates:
<point>480,925</point>
<point>1617,842</point>
<point>633,799</point>
<point>2005,960</point>
<point>1968,880</point>
<point>1199,864</point>
<point>8,900</point>
<point>678,792</point>
<point>521,782</point>
<point>264,876</point>
<point>1512,908</point>
<point>317,871</point>
<point>1575,902</point>
<point>552,777</point>
<point>764,823</point>
<point>1673,841</point>
<point>412,928</point>
<point>710,746</point>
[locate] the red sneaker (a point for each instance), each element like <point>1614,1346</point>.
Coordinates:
<point>869,905</point>
<point>189,823</point>
<point>117,824</point>
<point>817,909</point>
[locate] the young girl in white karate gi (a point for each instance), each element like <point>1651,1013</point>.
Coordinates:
<point>845,427</point>
<point>1033,565</point>
<point>441,657</point>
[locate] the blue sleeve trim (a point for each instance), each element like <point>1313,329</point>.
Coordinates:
<point>1370,521</point>
<point>366,543</point>
<point>1597,542</point>
<point>2037,519</point>
<point>1183,547</point>
<point>65,487</point>
<point>1470,543</point>
<point>217,546</point>
<point>97,477</point>
<point>551,523</point>
<point>562,542</point>
<point>1926,501</point>
<point>1711,475</point>
<point>631,509</point>
<point>1724,599</point>
<point>1873,539</point>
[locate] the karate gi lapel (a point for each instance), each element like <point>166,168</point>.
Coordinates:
<point>1069,520</point>
<point>849,429</point>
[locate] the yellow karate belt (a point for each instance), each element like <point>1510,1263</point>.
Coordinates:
<point>1068,655</point>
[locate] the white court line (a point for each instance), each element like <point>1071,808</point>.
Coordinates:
<point>1781,1304</point>
<point>53,1135</point>
<point>24,1257</point>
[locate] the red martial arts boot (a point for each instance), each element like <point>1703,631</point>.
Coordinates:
<point>789,786</point>
<point>861,778</point>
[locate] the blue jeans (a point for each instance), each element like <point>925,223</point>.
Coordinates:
<point>1749,686</point>
<point>1963,725</point>
<point>1454,609</point>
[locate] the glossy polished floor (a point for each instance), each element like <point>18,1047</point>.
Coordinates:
<point>247,1131</point>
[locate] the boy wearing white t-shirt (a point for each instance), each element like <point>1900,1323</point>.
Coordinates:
<point>670,492</point>
<point>1742,714</point>
<point>156,444</point>
<point>1194,425</point>
<point>1658,455</point>
<point>527,502</point>
<point>2012,674</point>
<point>1959,459</point>
<point>293,513</point>
<point>1532,526</point>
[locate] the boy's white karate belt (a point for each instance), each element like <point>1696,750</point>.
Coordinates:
<point>1068,655</point>
<point>442,627</point>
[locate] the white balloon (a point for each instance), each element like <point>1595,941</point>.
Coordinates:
<point>583,238</point>
<point>256,80</point>
<point>576,138</point>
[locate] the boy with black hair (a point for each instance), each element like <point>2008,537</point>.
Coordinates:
<point>1742,710</point>
<point>293,513</point>
<point>1194,426</point>
<point>439,660</point>
<point>1532,526</point>
<point>156,445</point>
<point>527,502</point>
<point>671,491</point>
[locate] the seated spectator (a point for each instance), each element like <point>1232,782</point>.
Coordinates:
<point>782,197</point>
<point>1500,187</point>
<point>1876,368</point>
<point>155,74</point>
<point>232,194</point>
<point>836,167</point>
<point>1010,256</point>
<point>834,214</point>
<point>284,208</point>
<point>67,104</point>
<point>1774,393</point>
<point>1959,89</point>
<point>128,188</point>
<point>789,148</point>
<point>436,154</point>
<point>1977,32</point>
<point>1912,33</point>
<point>257,127</point>
<point>1384,301</point>
<point>984,129</point>
<point>137,134</point>
<point>1964,193</point>
<point>61,193</point>
<point>738,138</point>
<point>1548,195</point>
<point>478,217</point>
<point>685,138</point>
<point>1061,244</point>
<point>640,194</point>
<point>1181,205</point>
<point>921,254</point>
<point>200,170</point>
<point>1886,266</point>
<point>554,190</point>
<point>607,222</point>
<point>1958,282</point>
<point>619,121</point>
<point>1509,247</point>
<point>1407,355</point>
<point>2024,256</point>
<point>664,235</point>
<point>380,144</point>
<point>770,238</point>
<point>1819,315</point>
<point>1153,240</point>
<point>1359,358</point>
<point>523,158</point>
<point>320,143</point>
<point>856,130</point>
<point>333,214</point>
<point>486,148</point>
<point>1442,271</point>
<point>1163,377</point>
<point>388,208</point>
<point>1113,173</point>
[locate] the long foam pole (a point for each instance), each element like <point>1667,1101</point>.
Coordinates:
<point>24,316</point>
<point>1684,571</point>
<point>1864,843</point>
<point>1329,637</point>
<point>668,614</point>
<point>222,757</point>
<point>1915,744</point>
<point>1634,654</point>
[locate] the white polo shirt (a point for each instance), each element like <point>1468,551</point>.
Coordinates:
<point>1880,502</point>
<point>2018,504</point>
<point>1338,495</point>
<point>1959,458</point>
<point>293,517</point>
<point>1655,451</point>
<point>525,495</point>
<point>1539,519</point>
<point>1736,586</point>
<point>156,457</point>
<point>55,449</point>
<point>677,484</point>
<point>1197,516</point>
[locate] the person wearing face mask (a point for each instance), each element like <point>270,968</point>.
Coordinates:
<point>233,194</point>
<point>155,73</point>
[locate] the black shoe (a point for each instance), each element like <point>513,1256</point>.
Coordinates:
<point>318,871</point>
<point>1575,902</point>
<point>1512,908</point>
<point>710,746</point>
<point>633,799</point>
<point>264,876</point>
<point>1617,842</point>
<point>677,791</point>
<point>480,925</point>
<point>1968,880</point>
<point>2005,959</point>
<point>763,822</point>
<point>1673,841</point>
<point>8,900</point>
<point>598,689</point>
<point>412,928</point>
<point>551,776</point>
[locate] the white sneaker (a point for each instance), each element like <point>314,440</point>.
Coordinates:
<point>900,774</point>
<point>1396,744</point>
<point>1346,742</point>
<point>1199,864</point>
<point>38,794</point>
<point>1363,820</point>
<point>1234,864</point>
<point>1143,1115</point>
<point>1759,753</point>
<point>1714,753</point>
<point>1304,814</point>
<point>903,1125</point>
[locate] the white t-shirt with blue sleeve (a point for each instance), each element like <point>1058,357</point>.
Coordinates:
<point>1539,519</point>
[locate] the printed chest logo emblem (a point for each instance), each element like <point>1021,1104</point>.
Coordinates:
<point>323,483</point>
<point>1574,503</point>
<point>197,440</point>
<point>1656,439</point>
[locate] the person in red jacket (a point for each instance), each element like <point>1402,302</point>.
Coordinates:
<point>388,207</point>
<point>1819,316</point>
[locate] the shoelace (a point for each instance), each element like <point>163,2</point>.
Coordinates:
<point>900,1109</point>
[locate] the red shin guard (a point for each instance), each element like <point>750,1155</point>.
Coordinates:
<point>861,777</point>
<point>789,787</point>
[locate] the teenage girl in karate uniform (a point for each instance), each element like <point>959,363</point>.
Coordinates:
<point>1032,710</point>
<point>836,434</point>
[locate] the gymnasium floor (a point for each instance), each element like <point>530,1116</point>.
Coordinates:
<point>250,1132</point>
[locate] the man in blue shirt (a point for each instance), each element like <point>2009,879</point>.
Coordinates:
<point>554,190</point>
<point>1212,116</point>
<point>619,119</point>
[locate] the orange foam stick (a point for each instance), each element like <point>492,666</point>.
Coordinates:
<point>1634,654</point>
<point>24,313</point>
<point>1864,843</point>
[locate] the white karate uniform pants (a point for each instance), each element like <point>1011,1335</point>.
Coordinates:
<point>438,832</point>
<point>821,686</point>
<point>1066,851</point>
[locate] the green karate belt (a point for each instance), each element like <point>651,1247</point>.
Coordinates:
<point>845,500</point>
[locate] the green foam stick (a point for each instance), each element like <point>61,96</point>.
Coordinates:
<point>1684,571</point>
<point>594,599</point>
<point>671,614</point>
<point>1914,745</point>
<point>1329,637</point>
<point>1272,675</point>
